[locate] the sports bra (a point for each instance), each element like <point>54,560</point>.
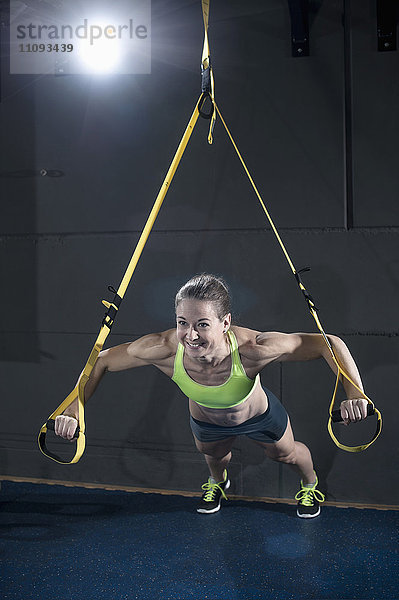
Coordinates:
<point>232,392</point>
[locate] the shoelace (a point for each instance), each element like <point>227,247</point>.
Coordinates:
<point>210,491</point>
<point>306,496</point>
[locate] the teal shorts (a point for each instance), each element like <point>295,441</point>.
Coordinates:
<point>268,427</point>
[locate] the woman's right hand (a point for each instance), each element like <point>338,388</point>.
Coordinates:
<point>65,427</point>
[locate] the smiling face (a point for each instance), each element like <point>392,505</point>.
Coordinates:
<point>200,330</point>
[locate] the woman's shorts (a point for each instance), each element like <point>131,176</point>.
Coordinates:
<point>268,427</point>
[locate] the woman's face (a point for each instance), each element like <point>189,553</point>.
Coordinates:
<point>199,328</point>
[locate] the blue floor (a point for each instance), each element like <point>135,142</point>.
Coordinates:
<point>64,543</point>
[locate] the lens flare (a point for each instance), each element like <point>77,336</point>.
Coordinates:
<point>102,56</point>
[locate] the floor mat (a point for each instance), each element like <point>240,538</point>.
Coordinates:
<point>62,543</point>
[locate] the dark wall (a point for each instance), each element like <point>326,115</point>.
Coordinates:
<point>109,141</point>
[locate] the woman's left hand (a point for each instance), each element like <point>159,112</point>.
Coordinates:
<point>353,410</point>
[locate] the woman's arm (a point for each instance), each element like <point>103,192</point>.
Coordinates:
<point>151,349</point>
<point>309,346</point>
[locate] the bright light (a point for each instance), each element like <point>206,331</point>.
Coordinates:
<point>102,56</point>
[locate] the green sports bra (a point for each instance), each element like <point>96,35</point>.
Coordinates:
<point>232,392</point>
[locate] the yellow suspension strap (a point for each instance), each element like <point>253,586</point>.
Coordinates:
<point>208,82</point>
<point>334,415</point>
<point>207,92</point>
<point>113,307</point>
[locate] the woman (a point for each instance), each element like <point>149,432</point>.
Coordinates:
<point>217,365</point>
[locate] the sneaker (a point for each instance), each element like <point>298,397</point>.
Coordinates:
<point>213,494</point>
<point>308,501</point>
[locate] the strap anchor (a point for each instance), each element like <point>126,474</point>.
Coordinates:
<point>206,80</point>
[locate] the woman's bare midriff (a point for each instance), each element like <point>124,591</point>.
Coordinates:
<point>256,404</point>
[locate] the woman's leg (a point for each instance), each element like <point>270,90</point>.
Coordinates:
<point>292,453</point>
<point>217,455</point>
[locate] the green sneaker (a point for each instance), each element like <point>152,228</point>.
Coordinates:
<point>213,494</point>
<point>309,499</point>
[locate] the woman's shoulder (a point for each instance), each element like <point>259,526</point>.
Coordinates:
<point>244,335</point>
<point>253,344</point>
<point>246,339</point>
<point>157,346</point>
<point>167,338</point>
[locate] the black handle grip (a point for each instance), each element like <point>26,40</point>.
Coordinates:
<point>336,414</point>
<point>51,425</point>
